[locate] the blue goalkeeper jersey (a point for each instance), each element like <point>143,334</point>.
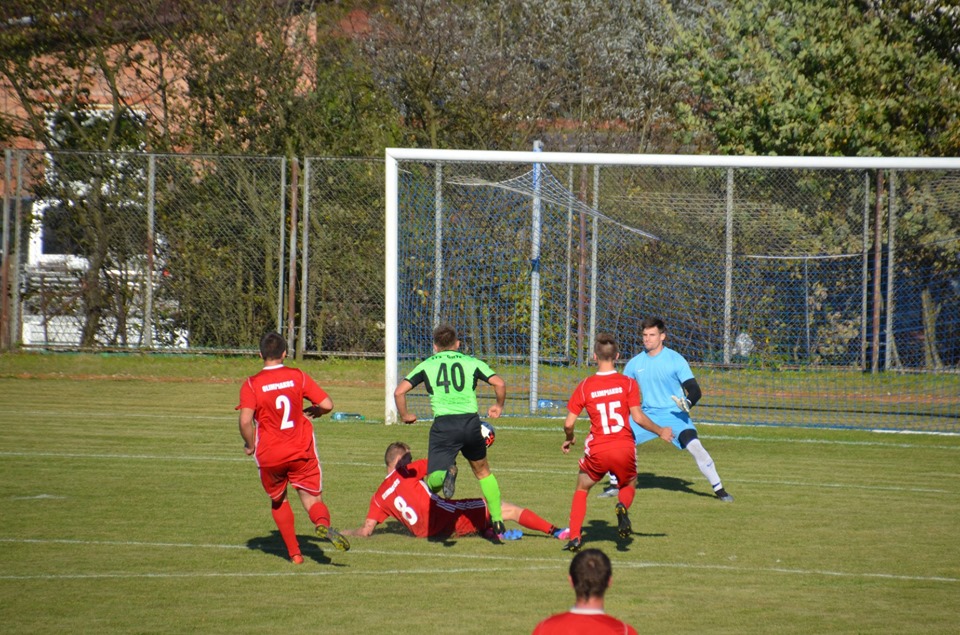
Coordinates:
<point>659,377</point>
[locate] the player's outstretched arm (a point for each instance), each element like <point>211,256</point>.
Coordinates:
<point>646,423</point>
<point>500,390</point>
<point>400,398</point>
<point>248,430</point>
<point>366,530</point>
<point>568,429</point>
<point>319,409</point>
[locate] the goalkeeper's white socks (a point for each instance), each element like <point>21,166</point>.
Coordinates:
<point>705,463</point>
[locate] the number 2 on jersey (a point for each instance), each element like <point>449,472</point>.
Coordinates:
<point>283,403</point>
<point>608,411</point>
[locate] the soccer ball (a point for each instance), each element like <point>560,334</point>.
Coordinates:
<point>487,432</point>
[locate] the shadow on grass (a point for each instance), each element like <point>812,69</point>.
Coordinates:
<point>399,529</point>
<point>646,480</point>
<point>310,547</point>
<point>444,541</point>
<point>604,529</point>
<point>598,529</point>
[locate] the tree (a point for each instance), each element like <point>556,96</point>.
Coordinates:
<point>498,74</point>
<point>443,78</point>
<point>84,55</point>
<point>70,72</point>
<point>801,78</point>
<point>871,78</point>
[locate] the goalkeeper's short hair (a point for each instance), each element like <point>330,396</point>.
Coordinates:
<point>652,322</point>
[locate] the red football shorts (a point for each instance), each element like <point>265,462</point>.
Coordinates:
<point>302,474</point>
<point>473,520</point>
<point>620,460</point>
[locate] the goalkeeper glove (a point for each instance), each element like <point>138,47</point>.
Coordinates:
<point>682,402</point>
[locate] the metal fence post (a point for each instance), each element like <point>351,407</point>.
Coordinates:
<point>866,270</point>
<point>728,272</point>
<point>5,272</point>
<point>292,257</point>
<point>891,359</point>
<point>147,335</point>
<point>280,252</point>
<point>16,336</point>
<point>304,260</point>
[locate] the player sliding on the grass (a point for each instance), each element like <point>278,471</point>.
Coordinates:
<point>276,430</point>
<point>669,391</point>
<point>610,399</point>
<point>450,378</point>
<point>404,495</point>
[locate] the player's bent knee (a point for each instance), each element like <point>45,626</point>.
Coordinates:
<point>686,437</point>
<point>481,468</point>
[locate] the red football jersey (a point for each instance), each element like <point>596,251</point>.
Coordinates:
<point>608,398</point>
<point>578,621</point>
<point>403,495</point>
<point>276,395</point>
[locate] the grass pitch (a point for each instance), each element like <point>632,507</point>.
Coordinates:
<point>128,506</point>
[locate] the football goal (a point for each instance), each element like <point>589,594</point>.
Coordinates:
<point>804,291</point>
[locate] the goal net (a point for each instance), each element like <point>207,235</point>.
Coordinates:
<point>764,270</point>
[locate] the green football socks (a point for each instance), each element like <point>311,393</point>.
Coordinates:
<point>434,480</point>
<point>491,493</point>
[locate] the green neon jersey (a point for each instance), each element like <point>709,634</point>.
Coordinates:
<point>450,378</point>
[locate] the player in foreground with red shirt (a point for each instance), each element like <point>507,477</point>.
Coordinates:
<point>404,495</point>
<point>610,399</point>
<point>590,575</point>
<point>277,431</point>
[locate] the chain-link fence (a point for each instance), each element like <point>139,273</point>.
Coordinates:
<point>768,279</point>
<point>138,251</point>
<point>342,253</point>
<point>772,273</point>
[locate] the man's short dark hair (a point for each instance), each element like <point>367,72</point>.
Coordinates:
<point>590,571</point>
<point>652,322</point>
<point>272,346</point>
<point>605,347</point>
<point>444,337</point>
<point>394,451</point>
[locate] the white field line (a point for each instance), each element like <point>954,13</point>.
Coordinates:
<point>508,470</point>
<point>524,563</point>
<point>558,432</point>
<point>52,415</point>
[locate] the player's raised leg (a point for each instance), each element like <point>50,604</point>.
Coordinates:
<point>320,516</point>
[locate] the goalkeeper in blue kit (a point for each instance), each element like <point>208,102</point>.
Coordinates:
<point>450,378</point>
<point>668,390</point>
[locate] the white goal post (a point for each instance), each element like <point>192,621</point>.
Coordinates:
<point>436,163</point>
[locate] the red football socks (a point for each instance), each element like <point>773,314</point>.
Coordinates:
<point>283,516</point>
<point>626,496</point>
<point>531,521</point>
<point>578,509</point>
<point>319,514</point>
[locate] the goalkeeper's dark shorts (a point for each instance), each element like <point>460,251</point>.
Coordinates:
<point>451,435</point>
